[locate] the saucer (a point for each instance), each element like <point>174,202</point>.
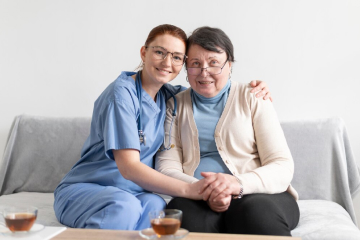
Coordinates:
<point>35,228</point>
<point>149,233</point>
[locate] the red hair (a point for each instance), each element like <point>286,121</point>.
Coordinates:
<point>166,29</point>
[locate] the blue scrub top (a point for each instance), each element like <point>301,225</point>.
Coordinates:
<point>114,126</point>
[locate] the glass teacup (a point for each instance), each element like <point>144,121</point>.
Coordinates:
<point>19,219</point>
<point>165,222</point>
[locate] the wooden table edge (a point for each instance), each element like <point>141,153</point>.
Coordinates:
<point>82,234</point>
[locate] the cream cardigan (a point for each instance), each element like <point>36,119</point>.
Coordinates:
<point>248,136</point>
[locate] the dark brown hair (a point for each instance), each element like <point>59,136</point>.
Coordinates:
<point>211,39</point>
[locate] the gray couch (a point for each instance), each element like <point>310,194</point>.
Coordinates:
<point>40,151</point>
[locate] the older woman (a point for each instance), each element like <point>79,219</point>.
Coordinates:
<point>225,134</point>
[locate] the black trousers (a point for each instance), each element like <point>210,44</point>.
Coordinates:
<point>261,214</point>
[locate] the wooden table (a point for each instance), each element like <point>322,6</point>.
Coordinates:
<point>82,234</point>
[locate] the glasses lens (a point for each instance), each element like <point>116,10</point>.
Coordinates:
<point>209,70</point>
<point>194,71</point>
<point>178,58</point>
<point>213,70</point>
<point>159,53</point>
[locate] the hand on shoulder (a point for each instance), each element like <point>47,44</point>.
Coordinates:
<point>261,88</point>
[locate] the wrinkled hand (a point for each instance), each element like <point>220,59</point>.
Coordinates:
<point>220,205</point>
<point>263,89</point>
<point>218,185</point>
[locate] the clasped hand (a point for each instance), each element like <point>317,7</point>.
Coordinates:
<point>217,189</point>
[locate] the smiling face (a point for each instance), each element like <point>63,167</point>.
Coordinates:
<point>205,84</point>
<point>160,71</point>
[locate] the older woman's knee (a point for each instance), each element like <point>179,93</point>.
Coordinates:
<point>257,214</point>
<point>178,202</point>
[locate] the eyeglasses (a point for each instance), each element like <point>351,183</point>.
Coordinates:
<point>196,71</point>
<point>161,53</point>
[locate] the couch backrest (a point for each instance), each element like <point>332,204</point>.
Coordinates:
<point>40,151</point>
<point>324,164</point>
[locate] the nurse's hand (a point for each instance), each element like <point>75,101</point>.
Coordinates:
<point>262,89</point>
<point>196,189</point>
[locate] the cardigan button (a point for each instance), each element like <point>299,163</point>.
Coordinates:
<point>220,148</point>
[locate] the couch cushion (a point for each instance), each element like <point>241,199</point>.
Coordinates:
<point>43,201</point>
<point>324,220</point>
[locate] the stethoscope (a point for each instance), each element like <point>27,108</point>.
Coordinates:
<point>142,136</point>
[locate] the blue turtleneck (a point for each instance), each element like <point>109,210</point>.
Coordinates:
<point>207,112</point>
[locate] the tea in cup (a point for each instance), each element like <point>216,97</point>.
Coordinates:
<point>20,219</point>
<point>165,222</point>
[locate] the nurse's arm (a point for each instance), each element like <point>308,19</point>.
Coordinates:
<point>131,168</point>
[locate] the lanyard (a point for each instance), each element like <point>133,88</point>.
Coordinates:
<point>142,137</point>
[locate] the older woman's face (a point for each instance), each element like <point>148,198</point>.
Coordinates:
<point>205,84</point>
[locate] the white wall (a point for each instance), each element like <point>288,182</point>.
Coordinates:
<point>57,56</point>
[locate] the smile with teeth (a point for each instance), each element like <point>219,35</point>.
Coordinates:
<point>164,71</point>
<point>205,82</point>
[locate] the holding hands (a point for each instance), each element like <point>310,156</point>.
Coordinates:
<point>217,189</point>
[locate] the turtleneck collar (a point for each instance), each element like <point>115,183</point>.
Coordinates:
<point>214,99</point>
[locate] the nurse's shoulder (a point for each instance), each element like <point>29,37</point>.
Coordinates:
<point>119,93</point>
<point>121,89</point>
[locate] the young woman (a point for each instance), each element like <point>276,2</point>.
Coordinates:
<point>110,186</point>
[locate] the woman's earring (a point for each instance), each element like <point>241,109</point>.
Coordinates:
<point>187,79</point>
<point>230,74</point>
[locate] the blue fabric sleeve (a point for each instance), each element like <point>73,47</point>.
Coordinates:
<point>120,127</point>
